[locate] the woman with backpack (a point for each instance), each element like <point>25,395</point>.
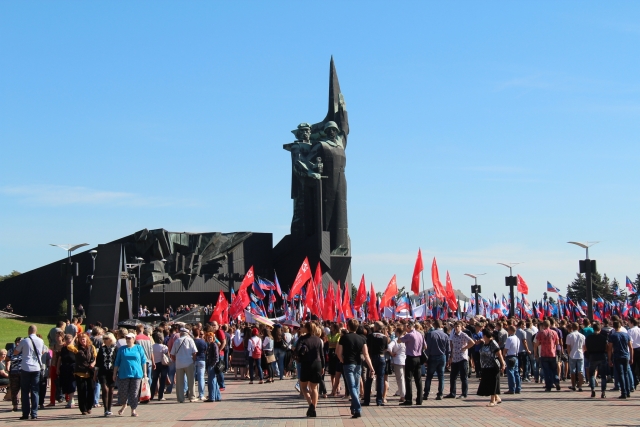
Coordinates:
<point>254,348</point>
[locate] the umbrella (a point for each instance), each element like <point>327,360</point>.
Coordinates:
<point>262,320</point>
<point>291,323</point>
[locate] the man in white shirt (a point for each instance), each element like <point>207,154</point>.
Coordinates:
<point>183,353</point>
<point>31,348</point>
<point>634,335</point>
<point>575,347</point>
<point>510,352</point>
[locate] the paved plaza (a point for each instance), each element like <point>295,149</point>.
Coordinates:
<point>278,405</point>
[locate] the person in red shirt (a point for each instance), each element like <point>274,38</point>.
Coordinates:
<point>546,343</point>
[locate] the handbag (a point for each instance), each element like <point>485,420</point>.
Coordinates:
<point>269,356</point>
<point>165,359</point>
<point>145,393</point>
<point>218,368</point>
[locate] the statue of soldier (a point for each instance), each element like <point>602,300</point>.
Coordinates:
<point>334,188</point>
<point>305,173</point>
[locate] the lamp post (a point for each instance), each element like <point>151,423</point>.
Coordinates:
<point>70,271</point>
<point>476,289</point>
<point>139,262</point>
<point>94,254</point>
<point>164,281</point>
<point>512,282</point>
<point>587,266</point>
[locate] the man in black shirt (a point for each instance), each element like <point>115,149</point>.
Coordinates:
<point>351,347</point>
<point>377,343</point>
<point>596,345</point>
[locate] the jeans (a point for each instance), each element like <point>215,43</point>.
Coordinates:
<point>172,376</point>
<point>96,393</point>
<point>159,374</point>
<point>280,354</point>
<point>200,369</point>
<point>600,366</point>
<point>476,361</point>
<point>413,370</point>
<point>255,363</point>
<point>621,367</point>
<point>29,385</point>
<point>459,368</point>
<point>513,374</point>
<point>550,370</point>
<point>212,385</point>
<point>435,366</point>
<point>351,375</point>
<point>576,366</point>
<point>523,362</point>
<point>533,365</point>
<point>220,379</point>
<point>378,368</point>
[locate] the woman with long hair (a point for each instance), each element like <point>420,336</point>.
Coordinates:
<point>254,347</point>
<point>239,354</point>
<point>311,357</point>
<point>492,365</point>
<point>85,356</point>
<point>335,367</point>
<point>267,353</point>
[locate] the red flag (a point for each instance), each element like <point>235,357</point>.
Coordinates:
<point>373,309</point>
<point>435,278</point>
<point>415,280</point>
<point>309,298</point>
<point>319,301</point>
<point>390,292</point>
<point>317,278</point>
<point>248,280</point>
<point>361,296</point>
<point>522,286</point>
<point>451,295</point>
<point>304,274</point>
<point>221,306</point>
<point>241,301</point>
<point>329,313</point>
<point>338,303</point>
<point>346,302</point>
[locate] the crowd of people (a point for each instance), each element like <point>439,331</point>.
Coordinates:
<point>83,368</point>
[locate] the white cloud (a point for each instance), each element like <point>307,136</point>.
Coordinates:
<point>58,195</point>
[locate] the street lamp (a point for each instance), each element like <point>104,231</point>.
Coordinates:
<point>93,254</point>
<point>476,289</point>
<point>587,266</point>
<point>164,298</point>
<point>512,282</point>
<point>139,262</point>
<point>71,270</point>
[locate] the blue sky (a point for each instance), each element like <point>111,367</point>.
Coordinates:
<point>482,133</point>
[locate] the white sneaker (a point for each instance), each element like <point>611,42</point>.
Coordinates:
<point>298,386</point>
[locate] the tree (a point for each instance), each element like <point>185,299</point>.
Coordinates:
<point>62,310</point>
<point>15,273</point>
<point>601,287</point>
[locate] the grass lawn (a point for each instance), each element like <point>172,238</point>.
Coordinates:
<point>11,328</point>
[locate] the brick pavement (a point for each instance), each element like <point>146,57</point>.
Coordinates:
<point>278,405</point>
